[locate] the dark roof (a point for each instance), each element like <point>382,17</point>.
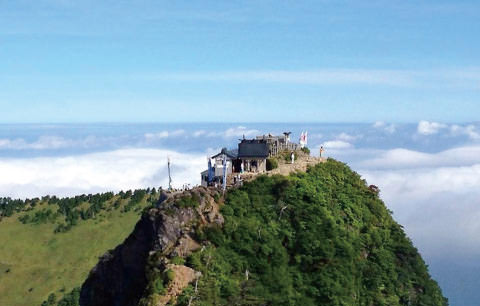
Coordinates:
<point>253,149</point>
<point>232,154</point>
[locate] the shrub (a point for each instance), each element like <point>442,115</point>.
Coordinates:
<point>194,261</point>
<point>187,202</point>
<point>169,276</point>
<point>52,299</point>
<point>272,163</point>
<point>62,228</point>
<point>306,150</point>
<point>158,287</point>
<point>177,260</point>
<point>228,288</point>
<point>184,298</point>
<point>70,299</point>
<point>287,156</point>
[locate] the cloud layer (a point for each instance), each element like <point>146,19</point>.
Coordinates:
<point>435,196</point>
<point>115,170</point>
<point>45,143</point>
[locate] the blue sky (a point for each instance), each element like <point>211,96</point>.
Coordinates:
<point>230,61</point>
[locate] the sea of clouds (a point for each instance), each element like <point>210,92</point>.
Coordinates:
<point>96,172</point>
<point>428,172</point>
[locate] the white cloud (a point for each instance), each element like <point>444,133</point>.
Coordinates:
<point>159,135</point>
<point>16,144</point>
<point>347,137</point>
<point>177,132</point>
<point>89,173</point>
<point>430,128</point>
<point>438,207</point>
<point>199,133</point>
<point>379,124</point>
<point>337,144</point>
<point>46,143</point>
<point>240,131</point>
<point>163,134</point>
<point>469,130</point>
<point>388,128</point>
<point>436,196</point>
<point>315,136</point>
<point>403,158</point>
<point>421,183</point>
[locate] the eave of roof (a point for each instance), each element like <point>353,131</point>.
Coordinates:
<point>231,154</point>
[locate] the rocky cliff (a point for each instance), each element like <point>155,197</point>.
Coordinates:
<point>121,277</point>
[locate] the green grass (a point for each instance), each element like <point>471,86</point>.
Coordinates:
<point>42,262</point>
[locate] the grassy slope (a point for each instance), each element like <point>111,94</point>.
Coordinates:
<point>47,262</point>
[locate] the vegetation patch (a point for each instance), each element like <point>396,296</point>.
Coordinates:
<point>272,163</point>
<point>287,156</point>
<point>177,260</point>
<point>54,263</point>
<point>305,150</point>
<point>188,201</point>
<point>318,238</point>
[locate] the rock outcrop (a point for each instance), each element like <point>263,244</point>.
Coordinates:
<point>120,278</point>
<point>183,276</point>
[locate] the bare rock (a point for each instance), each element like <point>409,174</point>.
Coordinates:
<point>119,278</point>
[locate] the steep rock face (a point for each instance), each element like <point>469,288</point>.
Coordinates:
<point>119,278</point>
